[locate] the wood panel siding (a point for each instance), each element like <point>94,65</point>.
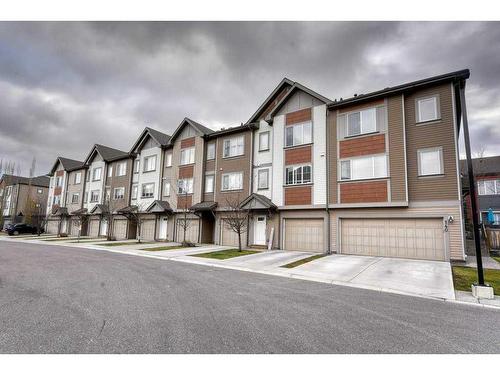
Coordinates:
<point>435,134</point>
<point>210,165</point>
<point>298,155</point>
<point>188,142</point>
<point>186,171</point>
<point>298,195</point>
<point>396,140</point>
<point>120,181</point>
<point>369,145</point>
<point>184,201</point>
<point>363,192</point>
<point>298,116</point>
<point>359,107</point>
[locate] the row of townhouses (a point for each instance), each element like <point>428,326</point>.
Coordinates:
<point>374,174</point>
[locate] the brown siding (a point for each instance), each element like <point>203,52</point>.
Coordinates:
<point>363,192</point>
<point>374,144</point>
<point>184,201</point>
<point>298,195</point>
<point>60,173</point>
<point>210,165</point>
<point>436,134</point>
<point>298,116</point>
<point>298,155</point>
<point>395,131</point>
<point>362,106</point>
<point>186,171</point>
<point>188,142</point>
<point>57,190</point>
<point>120,181</point>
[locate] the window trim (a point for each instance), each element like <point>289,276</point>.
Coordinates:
<point>266,171</point>
<point>98,196</point>
<point>73,196</point>
<point>142,190</point>
<point>184,150</point>
<point>192,186</point>
<point>229,174</point>
<point>441,161</point>
<point>212,176</point>
<point>165,183</point>
<point>144,163</point>
<point>496,184</point>
<point>361,132</point>
<point>80,179</point>
<point>229,139</point>
<point>437,108</point>
<point>212,144</point>
<point>168,160</point>
<point>114,193</point>
<point>293,138</point>
<point>350,179</point>
<point>93,174</point>
<point>117,169</point>
<point>136,186</point>
<point>299,166</point>
<point>268,134</point>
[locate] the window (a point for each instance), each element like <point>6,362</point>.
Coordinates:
<point>488,187</point>
<point>185,186</point>
<point>430,161</point>
<point>94,196</point>
<point>121,169</point>
<point>149,164</point>
<point>96,174</point>
<point>263,179</point>
<point>364,168</point>
<point>58,181</point>
<point>264,141</point>
<point>427,109</point>
<point>298,134</point>
<point>166,189</point>
<point>119,193</point>
<point>209,184</point>
<point>148,190</point>
<point>38,191</point>
<point>78,177</point>
<point>362,122</point>
<point>211,151</point>
<point>110,171</point>
<point>86,197</point>
<point>300,174</point>
<point>107,194</point>
<point>234,147</point>
<point>136,165</point>
<point>87,176</point>
<point>75,198</point>
<point>168,161</point>
<point>232,181</point>
<point>187,156</point>
<point>134,191</point>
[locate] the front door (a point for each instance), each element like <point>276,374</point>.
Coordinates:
<point>163,227</point>
<point>259,230</point>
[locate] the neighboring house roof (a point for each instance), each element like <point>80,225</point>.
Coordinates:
<point>107,153</point>
<point>203,206</point>
<point>61,211</point>
<point>67,164</point>
<point>41,181</point>
<point>482,166</point>
<point>203,130</point>
<point>448,77</point>
<point>159,206</point>
<point>285,82</point>
<point>100,209</point>
<point>234,129</point>
<point>162,138</point>
<point>128,209</point>
<point>81,211</point>
<point>264,202</point>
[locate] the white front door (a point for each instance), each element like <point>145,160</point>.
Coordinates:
<point>259,230</point>
<point>163,227</point>
<point>104,228</point>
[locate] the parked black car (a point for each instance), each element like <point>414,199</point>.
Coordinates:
<point>15,229</point>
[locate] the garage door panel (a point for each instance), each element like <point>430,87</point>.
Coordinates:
<point>94,228</point>
<point>304,235</point>
<point>191,230</point>
<point>401,238</point>
<point>120,229</point>
<point>230,237</point>
<point>148,230</point>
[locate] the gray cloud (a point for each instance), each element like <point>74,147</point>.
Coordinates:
<point>66,86</point>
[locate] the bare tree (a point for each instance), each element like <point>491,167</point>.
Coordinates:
<point>135,216</point>
<point>80,218</point>
<point>110,208</point>
<point>236,218</point>
<point>184,192</point>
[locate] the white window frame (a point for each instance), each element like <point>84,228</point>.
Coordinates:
<point>78,178</point>
<point>120,196</point>
<point>146,164</point>
<point>137,166</point>
<point>86,197</point>
<point>121,169</point>
<point>481,186</point>
<point>362,130</point>
<point>211,151</point>
<point>77,195</point>
<point>266,134</point>
<point>294,169</point>
<point>229,176</point>
<point>295,128</point>
<point>187,156</point>
<point>97,194</point>
<point>110,171</point>
<point>168,160</point>
<point>134,191</point>
<point>94,171</point>
<point>259,179</point>
<point>211,178</point>
<point>166,188</point>
<point>373,176</point>
<point>231,150</point>
<point>142,190</point>
<point>181,186</point>
<point>435,99</point>
<point>422,151</point>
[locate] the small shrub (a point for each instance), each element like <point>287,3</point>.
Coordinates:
<point>187,244</point>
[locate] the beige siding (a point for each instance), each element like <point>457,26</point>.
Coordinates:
<point>397,166</point>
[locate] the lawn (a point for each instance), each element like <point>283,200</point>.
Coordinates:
<point>111,243</point>
<point>303,261</point>
<point>497,259</point>
<point>226,254</point>
<point>58,239</point>
<point>162,248</point>
<point>463,277</point>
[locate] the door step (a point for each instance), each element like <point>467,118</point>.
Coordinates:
<point>260,247</point>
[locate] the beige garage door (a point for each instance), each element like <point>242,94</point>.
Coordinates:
<point>75,228</point>
<point>148,230</point>
<point>230,237</point>
<point>94,228</point>
<point>191,230</point>
<point>52,226</point>
<point>400,238</point>
<point>304,235</point>
<point>120,229</point>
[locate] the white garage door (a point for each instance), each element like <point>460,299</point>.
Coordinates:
<point>148,230</point>
<point>120,229</point>
<point>52,226</point>
<point>400,238</point>
<point>191,230</point>
<point>94,228</point>
<point>304,235</point>
<point>230,237</point>
<point>75,228</point>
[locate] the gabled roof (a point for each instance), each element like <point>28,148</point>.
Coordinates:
<point>203,206</point>
<point>61,211</point>
<point>482,166</point>
<point>81,211</point>
<point>159,206</point>
<point>162,138</point>
<point>285,82</point>
<point>100,209</point>
<point>41,181</point>
<point>107,153</point>
<point>264,201</point>
<point>203,130</point>
<point>67,164</point>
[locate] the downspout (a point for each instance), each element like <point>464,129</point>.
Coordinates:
<point>327,155</point>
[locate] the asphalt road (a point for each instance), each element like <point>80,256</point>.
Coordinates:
<point>65,300</point>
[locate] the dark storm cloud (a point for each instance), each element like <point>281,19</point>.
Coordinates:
<point>66,86</point>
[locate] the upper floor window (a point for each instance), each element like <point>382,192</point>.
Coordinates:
<point>87,176</point>
<point>232,181</point>
<point>488,187</point>
<point>211,151</point>
<point>298,174</point>
<point>428,109</point>
<point>263,179</point>
<point>94,196</point>
<point>209,183</point>
<point>133,194</point>
<point>185,186</point>
<point>119,193</point>
<point>57,199</point>
<point>362,122</point>
<point>234,146</point>
<point>136,165</point>
<point>166,189</point>
<point>148,190</point>
<point>264,141</point>
<point>110,171</point>
<point>58,181</point>
<point>86,197</point>
<point>121,168</point>
<point>168,160</point>
<point>78,177</point>
<point>298,134</point>
<point>187,156</point>
<point>75,198</point>
<point>149,164</point>
<point>364,168</point>
<point>430,161</point>
<point>96,174</point>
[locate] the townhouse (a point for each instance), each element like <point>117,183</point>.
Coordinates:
<point>22,199</point>
<point>376,174</point>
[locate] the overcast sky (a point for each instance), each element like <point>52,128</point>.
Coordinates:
<point>66,86</point>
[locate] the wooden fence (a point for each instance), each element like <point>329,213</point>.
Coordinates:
<point>493,238</point>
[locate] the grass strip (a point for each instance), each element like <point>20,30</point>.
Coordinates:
<point>111,243</point>
<point>464,277</point>
<point>225,254</point>
<point>303,261</point>
<point>163,248</point>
